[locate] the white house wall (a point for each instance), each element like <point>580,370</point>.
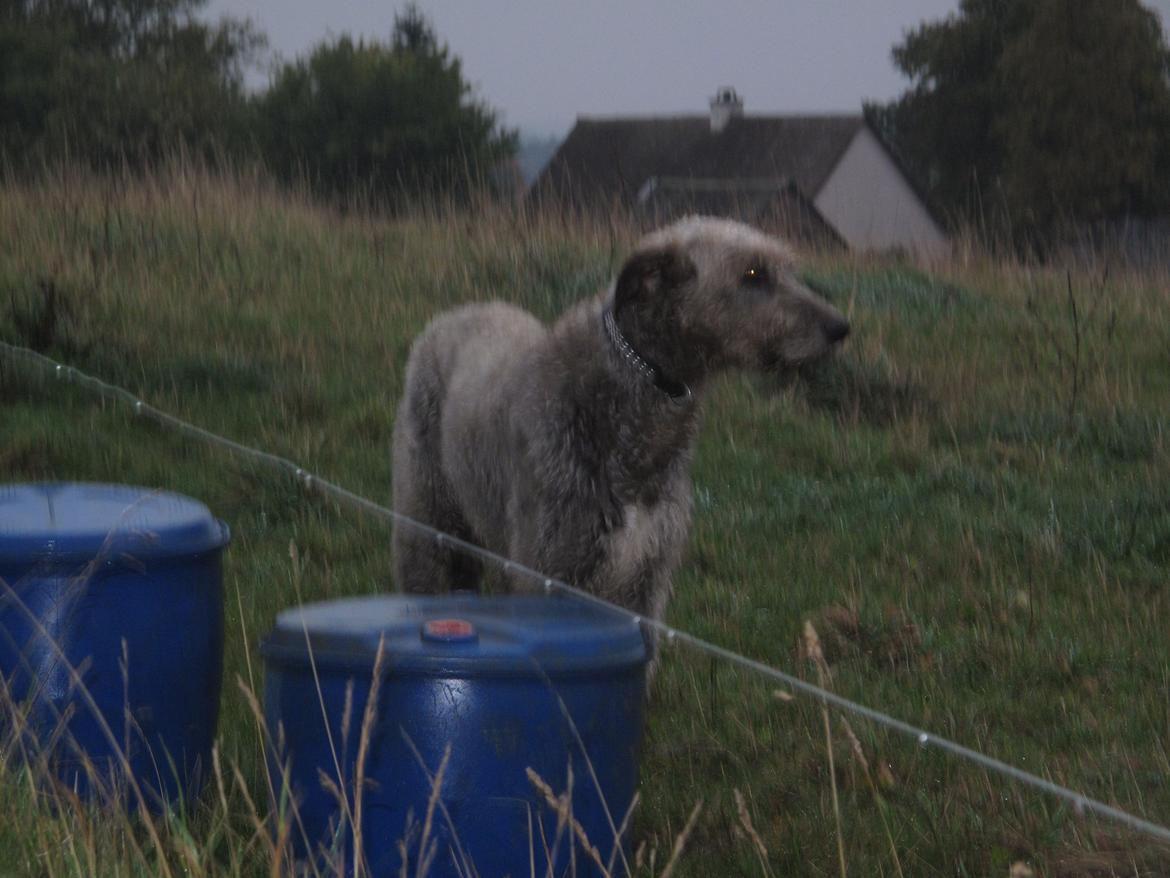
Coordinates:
<point>872,206</point>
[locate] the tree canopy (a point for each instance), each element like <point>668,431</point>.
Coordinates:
<point>1036,111</point>
<point>381,119</point>
<point>111,81</point>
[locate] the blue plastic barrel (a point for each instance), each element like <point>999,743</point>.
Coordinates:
<point>111,633</point>
<point>507,683</point>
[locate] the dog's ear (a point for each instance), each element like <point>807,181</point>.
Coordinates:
<point>651,271</point>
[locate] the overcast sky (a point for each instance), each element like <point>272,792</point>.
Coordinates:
<point>544,62</point>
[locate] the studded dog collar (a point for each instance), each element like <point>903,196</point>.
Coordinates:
<point>677,391</point>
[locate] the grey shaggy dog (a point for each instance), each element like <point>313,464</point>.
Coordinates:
<point>568,447</point>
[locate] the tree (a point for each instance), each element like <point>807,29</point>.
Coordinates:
<point>1047,110</point>
<point>1089,114</point>
<point>381,120</point>
<point>111,81</point>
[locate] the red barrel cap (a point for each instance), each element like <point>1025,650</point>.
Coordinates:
<point>449,631</point>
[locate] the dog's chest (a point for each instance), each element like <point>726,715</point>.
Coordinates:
<point>639,538</point>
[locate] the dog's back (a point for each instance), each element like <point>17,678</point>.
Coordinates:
<point>457,378</point>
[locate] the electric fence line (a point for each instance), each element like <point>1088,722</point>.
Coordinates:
<point>1081,803</point>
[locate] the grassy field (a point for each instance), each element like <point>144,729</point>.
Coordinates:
<point>971,506</point>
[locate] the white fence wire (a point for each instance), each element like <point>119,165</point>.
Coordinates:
<point>1082,804</point>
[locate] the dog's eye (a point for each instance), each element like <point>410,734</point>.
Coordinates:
<point>756,276</point>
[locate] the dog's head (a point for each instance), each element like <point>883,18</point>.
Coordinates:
<point>704,294</point>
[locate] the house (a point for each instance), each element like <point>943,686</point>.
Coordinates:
<point>816,178</point>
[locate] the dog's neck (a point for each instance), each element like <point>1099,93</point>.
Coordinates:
<point>647,419</point>
<point>678,392</point>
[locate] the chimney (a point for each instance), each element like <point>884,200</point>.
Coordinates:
<point>725,106</point>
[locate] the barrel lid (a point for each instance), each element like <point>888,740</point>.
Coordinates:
<point>74,521</point>
<point>521,635</point>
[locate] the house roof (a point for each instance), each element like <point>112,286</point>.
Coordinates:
<point>604,159</point>
<point>771,204</point>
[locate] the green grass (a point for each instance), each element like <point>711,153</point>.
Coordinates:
<point>971,506</point>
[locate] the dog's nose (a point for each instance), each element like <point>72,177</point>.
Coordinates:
<point>836,330</point>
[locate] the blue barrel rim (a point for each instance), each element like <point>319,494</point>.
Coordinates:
<point>590,639</point>
<point>58,523</point>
